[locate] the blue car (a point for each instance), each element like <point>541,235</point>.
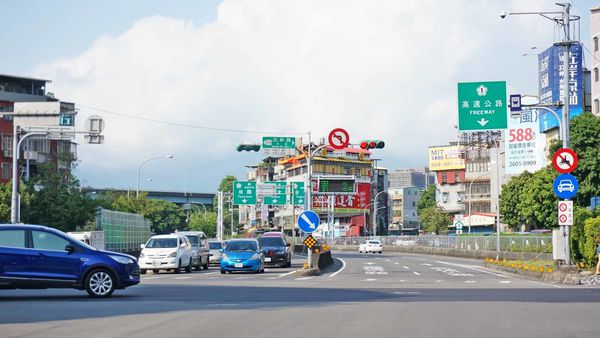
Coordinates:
<point>242,255</point>
<point>39,257</point>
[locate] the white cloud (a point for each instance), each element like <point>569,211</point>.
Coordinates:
<point>385,69</point>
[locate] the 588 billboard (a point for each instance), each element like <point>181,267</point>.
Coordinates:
<point>551,82</point>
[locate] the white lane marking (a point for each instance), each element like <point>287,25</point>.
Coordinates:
<point>470,281</point>
<point>210,273</point>
<point>396,263</point>
<point>451,272</point>
<point>374,270</point>
<point>148,278</point>
<point>426,264</point>
<point>387,260</point>
<point>182,277</point>
<point>402,281</point>
<point>286,274</point>
<point>476,268</point>
<point>406,267</point>
<point>439,280</point>
<point>340,270</point>
<point>504,282</point>
<point>556,286</point>
<point>408,293</point>
<point>369,263</point>
<point>304,278</point>
<point>416,273</point>
<point>369,280</point>
<point>272,278</point>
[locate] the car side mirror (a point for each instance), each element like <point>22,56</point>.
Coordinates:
<point>69,248</point>
<point>142,246</point>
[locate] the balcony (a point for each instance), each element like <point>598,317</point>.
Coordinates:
<point>478,197</point>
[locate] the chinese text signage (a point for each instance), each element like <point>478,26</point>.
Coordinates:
<point>523,146</point>
<point>482,105</point>
<point>446,158</point>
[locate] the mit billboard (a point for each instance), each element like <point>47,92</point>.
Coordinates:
<point>446,158</point>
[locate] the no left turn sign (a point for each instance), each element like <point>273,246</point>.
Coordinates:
<point>339,138</point>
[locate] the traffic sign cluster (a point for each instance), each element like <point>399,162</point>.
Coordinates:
<point>565,185</point>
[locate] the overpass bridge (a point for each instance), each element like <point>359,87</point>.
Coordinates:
<point>179,198</point>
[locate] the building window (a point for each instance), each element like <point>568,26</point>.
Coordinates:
<point>445,197</point>
<point>444,177</point>
<point>6,170</point>
<point>457,176</point>
<point>595,44</point>
<point>597,105</point>
<point>596,75</point>
<point>7,141</point>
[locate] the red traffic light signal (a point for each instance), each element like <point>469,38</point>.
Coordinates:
<point>372,144</point>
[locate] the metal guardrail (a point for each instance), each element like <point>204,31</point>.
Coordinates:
<point>531,244</point>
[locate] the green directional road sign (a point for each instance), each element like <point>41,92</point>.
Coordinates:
<point>279,196</point>
<point>278,146</point>
<point>244,192</point>
<point>482,106</point>
<point>298,190</point>
<point>66,120</point>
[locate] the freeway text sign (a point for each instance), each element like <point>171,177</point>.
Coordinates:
<point>278,197</point>
<point>298,190</point>
<point>244,192</point>
<point>482,106</point>
<point>278,146</point>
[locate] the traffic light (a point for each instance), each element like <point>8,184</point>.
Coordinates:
<point>372,144</point>
<point>248,147</point>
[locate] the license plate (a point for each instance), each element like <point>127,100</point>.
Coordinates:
<point>239,265</point>
<point>156,262</point>
<point>267,259</point>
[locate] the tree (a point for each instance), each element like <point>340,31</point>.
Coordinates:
<point>511,200</point>
<point>56,200</point>
<point>427,199</point>
<point>434,219</point>
<point>584,137</point>
<point>205,222</point>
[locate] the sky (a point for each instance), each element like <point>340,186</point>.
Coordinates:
<point>193,79</point>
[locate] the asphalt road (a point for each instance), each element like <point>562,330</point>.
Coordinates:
<point>365,295</point>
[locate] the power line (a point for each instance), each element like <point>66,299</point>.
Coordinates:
<point>186,125</point>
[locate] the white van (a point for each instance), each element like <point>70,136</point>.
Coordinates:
<point>166,252</point>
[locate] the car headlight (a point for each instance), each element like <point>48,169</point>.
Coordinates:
<point>172,255</point>
<point>142,255</point>
<point>255,256</point>
<point>224,256</point>
<point>122,260</point>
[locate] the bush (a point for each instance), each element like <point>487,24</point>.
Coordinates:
<point>592,232</point>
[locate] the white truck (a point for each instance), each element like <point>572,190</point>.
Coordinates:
<point>93,238</point>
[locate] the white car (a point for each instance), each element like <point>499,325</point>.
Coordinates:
<point>215,253</point>
<point>166,252</point>
<point>371,246</point>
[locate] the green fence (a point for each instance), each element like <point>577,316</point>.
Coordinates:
<point>123,231</point>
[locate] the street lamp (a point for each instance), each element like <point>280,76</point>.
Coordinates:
<point>137,191</point>
<point>365,215</point>
<point>132,183</point>
<point>375,210</point>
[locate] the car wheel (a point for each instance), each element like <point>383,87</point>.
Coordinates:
<point>380,252</point>
<point>100,283</point>
<point>156,272</point>
<point>178,268</point>
<point>142,272</point>
<point>188,268</point>
<point>223,271</point>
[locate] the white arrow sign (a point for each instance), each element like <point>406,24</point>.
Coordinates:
<point>483,122</point>
<point>307,220</point>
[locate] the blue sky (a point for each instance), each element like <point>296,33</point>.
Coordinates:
<point>381,69</point>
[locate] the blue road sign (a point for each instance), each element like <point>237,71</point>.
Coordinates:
<point>565,186</point>
<point>308,221</point>
<point>515,102</point>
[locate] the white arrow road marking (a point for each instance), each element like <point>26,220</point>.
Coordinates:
<point>450,271</point>
<point>473,267</point>
<point>483,122</point>
<point>374,270</point>
<point>307,220</point>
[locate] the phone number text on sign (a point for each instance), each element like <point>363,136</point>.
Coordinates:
<point>523,147</point>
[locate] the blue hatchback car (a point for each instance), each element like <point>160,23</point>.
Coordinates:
<point>242,255</point>
<point>39,257</point>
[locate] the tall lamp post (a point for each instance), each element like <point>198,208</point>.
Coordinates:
<point>375,210</point>
<point>132,183</point>
<point>137,191</point>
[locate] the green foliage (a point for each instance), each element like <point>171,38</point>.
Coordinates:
<point>592,233</point>
<point>5,201</point>
<point>584,140</point>
<point>55,200</point>
<point>511,203</point>
<point>427,199</point>
<point>434,219</point>
<point>205,222</point>
<point>226,185</point>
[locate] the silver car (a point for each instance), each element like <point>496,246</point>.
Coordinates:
<point>200,251</point>
<point>215,251</point>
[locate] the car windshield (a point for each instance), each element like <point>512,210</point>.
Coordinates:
<point>241,246</point>
<point>271,241</point>
<point>215,246</point>
<point>162,243</point>
<point>193,239</point>
<point>373,242</point>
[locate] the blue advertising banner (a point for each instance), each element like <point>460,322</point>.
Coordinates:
<point>551,80</point>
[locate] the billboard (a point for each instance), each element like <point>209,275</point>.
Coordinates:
<point>551,82</point>
<point>523,144</point>
<point>446,158</point>
<point>345,203</point>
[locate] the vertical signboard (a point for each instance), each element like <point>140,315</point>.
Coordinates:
<point>551,78</point>
<point>523,146</point>
<point>244,192</point>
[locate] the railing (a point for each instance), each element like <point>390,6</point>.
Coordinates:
<point>529,244</point>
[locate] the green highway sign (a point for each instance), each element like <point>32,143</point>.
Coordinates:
<point>298,190</point>
<point>276,146</point>
<point>66,120</point>
<point>244,192</point>
<point>279,196</point>
<point>482,106</point>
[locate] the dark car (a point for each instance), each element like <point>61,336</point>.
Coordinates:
<point>277,252</point>
<point>39,257</point>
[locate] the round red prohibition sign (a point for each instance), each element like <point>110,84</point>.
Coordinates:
<point>565,160</point>
<point>563,218</point>
<point>562,207</point>
<point>339,138</point>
